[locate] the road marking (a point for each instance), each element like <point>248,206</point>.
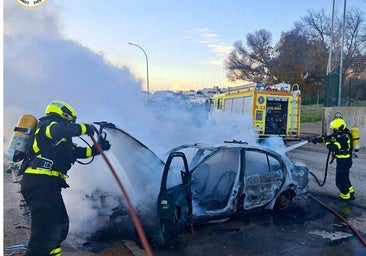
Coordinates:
<point>331,235</point>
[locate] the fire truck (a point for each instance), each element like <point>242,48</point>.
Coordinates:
<point>275,109</point>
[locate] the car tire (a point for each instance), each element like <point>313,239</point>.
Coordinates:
<point>284,200</point>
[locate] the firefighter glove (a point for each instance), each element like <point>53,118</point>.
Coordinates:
<point>104,144</point>
<point>328,138</point>
<point>317,140</point>
<point>90,129</point>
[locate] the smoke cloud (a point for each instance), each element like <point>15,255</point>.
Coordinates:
<point>41,66</point>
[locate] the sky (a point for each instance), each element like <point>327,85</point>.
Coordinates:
<point>78,52</point>
<point>41,65</point>
<point>186,42</point>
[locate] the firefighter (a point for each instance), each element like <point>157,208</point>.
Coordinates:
<point>52,155</point>
<point>339,143</point>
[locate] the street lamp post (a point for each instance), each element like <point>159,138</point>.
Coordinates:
<point>147,67</point>
<point>341,60</point>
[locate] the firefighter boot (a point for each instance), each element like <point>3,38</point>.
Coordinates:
<point>351,192</point>
<point>345,197</point>
<point>56,252</point>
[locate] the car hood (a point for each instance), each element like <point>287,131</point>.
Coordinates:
<point>138,168</point>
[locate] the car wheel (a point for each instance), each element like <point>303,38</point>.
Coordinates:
<point>284,200</point>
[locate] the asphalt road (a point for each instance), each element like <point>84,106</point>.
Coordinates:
<point>307,228</point>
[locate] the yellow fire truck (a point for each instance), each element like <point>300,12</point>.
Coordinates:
<point>275,109</point>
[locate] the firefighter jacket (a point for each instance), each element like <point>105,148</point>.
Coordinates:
<point>53,152</point>
<point>340,144</point>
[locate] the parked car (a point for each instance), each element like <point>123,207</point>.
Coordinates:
<point>200,182</point>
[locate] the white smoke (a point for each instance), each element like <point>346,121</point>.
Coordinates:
<point>41,66</point>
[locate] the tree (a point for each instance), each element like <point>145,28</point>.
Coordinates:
<point>300,60</point>
<point>252,64</point>
<point>317,26</point>
<point>301,55</point>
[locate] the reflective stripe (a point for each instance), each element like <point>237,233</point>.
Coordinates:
<point>343,153</point>
<point>83,128</point>
<point>35,143</point>
<point>337,144</point>
<point>351,189</point>
<point>56,252</point>
<point>343,156</point>
<point>345,196</point>
<point>89,152</point>
<point>48,130</point>
<point>46,172</point>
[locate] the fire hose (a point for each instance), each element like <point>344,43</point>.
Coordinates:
<point>131,209</point>
<point>333,211</point>
<point>362,240</point>
<point>325,173</point>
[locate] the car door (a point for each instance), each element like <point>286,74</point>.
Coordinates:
<point>213,182</point>
<point>174,205</point>
<point>263,177</point>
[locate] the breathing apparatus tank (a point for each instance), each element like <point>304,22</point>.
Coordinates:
<point>355,133</point>
<point>19,141</point>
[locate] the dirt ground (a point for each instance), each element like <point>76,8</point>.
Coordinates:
<point>17,223</point>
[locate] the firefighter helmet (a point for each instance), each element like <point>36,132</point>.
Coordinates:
<point>338,124</point>
<point>64,110</point>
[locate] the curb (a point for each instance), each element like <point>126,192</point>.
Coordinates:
<point>133,248</point>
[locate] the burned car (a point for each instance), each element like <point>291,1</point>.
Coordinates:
<point>200,182</point>
<point>225,180</point>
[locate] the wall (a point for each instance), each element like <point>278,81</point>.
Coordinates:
<point>354,116</point>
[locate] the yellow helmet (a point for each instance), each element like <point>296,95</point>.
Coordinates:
<point>338,124</point>
<point>62,109</point>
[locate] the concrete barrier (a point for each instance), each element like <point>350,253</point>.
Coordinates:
<point>354,116</point>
